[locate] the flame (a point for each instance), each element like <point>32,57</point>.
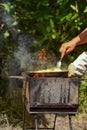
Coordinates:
<point>43,56</point>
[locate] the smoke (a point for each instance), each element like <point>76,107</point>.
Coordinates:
<point>23,54</point>
<point>25,57</point>
<point>21,59</point>
<point>9,19</point>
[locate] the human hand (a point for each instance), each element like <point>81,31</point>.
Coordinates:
<point>67,48</point>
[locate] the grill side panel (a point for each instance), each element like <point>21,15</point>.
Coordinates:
<point>53,94</point>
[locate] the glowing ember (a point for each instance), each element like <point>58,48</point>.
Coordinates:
<point>36,75</point>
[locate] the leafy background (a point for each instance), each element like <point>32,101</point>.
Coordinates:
<point>50,23</point>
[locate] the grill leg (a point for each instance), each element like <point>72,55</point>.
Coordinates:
<point>36,122</point>
<point>24,90</point>
<point>55,122</point>
<point>70,123</point>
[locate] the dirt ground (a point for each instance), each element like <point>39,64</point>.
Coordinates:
<point>79,122</point>
<point>10,128</point>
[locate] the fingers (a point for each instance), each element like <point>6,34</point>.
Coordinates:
<point>64,50</point>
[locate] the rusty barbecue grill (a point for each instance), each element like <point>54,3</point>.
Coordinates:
<point>52,92</point>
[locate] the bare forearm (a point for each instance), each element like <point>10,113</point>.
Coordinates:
<point>81,38</point>
<point>70,46</point>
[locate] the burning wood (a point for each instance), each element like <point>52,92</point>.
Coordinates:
<point>37,75</point>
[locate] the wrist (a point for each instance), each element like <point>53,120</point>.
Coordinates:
<point>76,40</point>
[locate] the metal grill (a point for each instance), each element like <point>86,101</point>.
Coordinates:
<point>50,94</point>
<point>53,95</point>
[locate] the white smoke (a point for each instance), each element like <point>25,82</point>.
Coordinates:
<point>24,58</point>
<point>9,19</point>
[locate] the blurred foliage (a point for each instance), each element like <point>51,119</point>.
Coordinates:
<point>50,22</point>
<point>83,94</point>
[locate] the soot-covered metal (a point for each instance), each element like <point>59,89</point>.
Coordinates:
<point>53,95</point>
